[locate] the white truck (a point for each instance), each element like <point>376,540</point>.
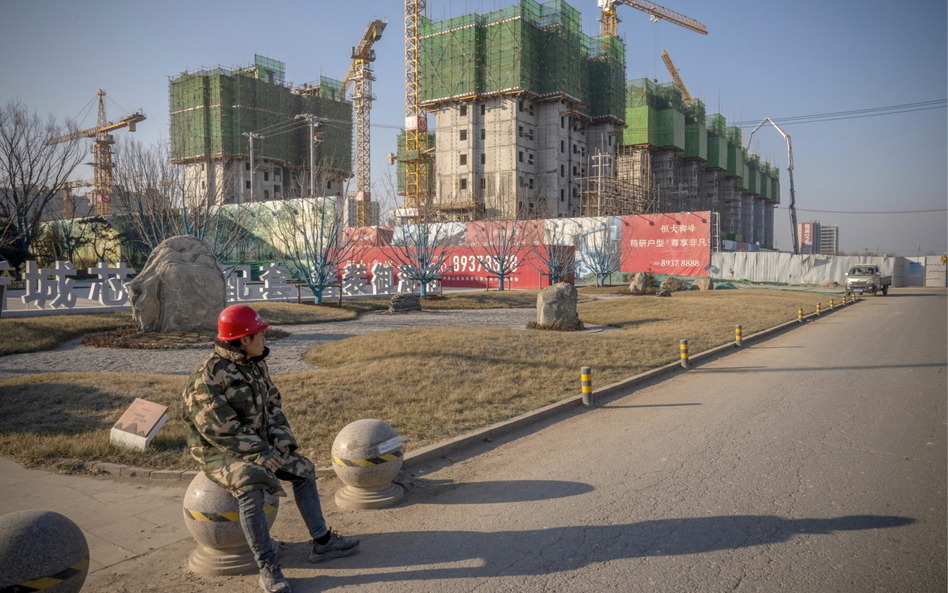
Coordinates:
<point>867,278</point>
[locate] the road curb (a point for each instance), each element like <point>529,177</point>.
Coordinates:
<point>443,448</point>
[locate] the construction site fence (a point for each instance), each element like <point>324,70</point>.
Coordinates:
<point>786,268</point>
<point>532,47</point>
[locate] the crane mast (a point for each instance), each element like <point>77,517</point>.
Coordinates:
<point>416,122</point>
<point>360,76</point>
<point>609,20</point>
<point>102,151</point>
<point>793,196</point>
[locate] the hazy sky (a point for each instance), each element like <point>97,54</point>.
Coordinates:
<point>777,59</point>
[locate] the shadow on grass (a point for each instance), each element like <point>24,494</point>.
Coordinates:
<point>63,408</point>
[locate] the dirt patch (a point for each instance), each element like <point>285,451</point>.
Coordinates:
<point>128,337</point>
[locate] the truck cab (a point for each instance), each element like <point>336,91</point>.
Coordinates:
<point>867,278</point>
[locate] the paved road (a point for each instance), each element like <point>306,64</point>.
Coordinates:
<point>814,461</point>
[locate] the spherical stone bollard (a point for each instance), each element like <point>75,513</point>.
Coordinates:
<point>367,455</point>
<point>212,516</point>
<point>42,550</point>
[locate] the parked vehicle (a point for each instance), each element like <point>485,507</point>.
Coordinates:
<point>867,278</point>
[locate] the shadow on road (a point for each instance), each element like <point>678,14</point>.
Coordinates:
<point>426,491</point>
<point>560,549</point>
<point>612,407</point>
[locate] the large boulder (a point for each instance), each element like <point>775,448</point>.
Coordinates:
<point>639,283</point>
<point>181,288</point>
<point>556,306</point>
<point>672,284</point>
<point>663,292</point>
<point>702,284</point>
<point>403,303</point>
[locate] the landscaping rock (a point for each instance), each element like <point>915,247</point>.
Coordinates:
<point>403,303</point>
<point>556,306</point>
<point>181,288</point>
<point>829,283</point>
<point>639,283</point>
<point>673,284</point>
<point>702,284</point>
<point>662,292</point>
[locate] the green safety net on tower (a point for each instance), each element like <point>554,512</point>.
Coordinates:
<point>212,109</point>
<point>532,47</point>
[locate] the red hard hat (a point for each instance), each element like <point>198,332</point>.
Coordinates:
<point>238,321</point>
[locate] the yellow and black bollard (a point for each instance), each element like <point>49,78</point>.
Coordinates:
<point>684,354</point>
<point>844,300</point>
<point>586,378</point>
<point>818,309</point>
<point>832,305</point>
<point>738,336</point>
<point>800,315</point>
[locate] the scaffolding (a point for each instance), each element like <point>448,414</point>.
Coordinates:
<point>402,157</point>
<point>530,48</point>
<point>211,109</point>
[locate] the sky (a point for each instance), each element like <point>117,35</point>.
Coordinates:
<point>759,59</point>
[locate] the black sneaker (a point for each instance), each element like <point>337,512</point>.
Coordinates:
<point>336,547</point>
<point>272,579</point>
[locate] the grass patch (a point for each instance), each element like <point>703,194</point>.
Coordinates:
<point>429,383</point>
<point>614,289</point>
<point>45,332</point>
<point>276,313</point>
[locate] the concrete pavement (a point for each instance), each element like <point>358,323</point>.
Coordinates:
<point>812,461</point>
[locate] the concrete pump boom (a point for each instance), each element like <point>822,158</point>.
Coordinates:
<point>793,197</point>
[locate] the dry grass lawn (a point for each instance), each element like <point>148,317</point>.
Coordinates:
<point>45,332</point>
<point>429,383</point>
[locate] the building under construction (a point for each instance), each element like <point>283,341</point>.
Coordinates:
<point>213,112</point>
<point>535,119</point>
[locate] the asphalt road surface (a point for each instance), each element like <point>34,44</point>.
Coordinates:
<point>813,461</point>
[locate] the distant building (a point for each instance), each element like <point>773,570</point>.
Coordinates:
<point>213,110</point>
<point>829,240</point>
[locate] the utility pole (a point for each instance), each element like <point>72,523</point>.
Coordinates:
<point>253,164</point>
<point>314,123</point>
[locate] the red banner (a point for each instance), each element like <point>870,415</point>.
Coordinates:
<point>463,267</point>
<point>678,244</point>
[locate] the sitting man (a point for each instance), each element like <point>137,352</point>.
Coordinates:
<point>240,438</point>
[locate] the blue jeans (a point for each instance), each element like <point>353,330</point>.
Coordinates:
<point>254,522</point>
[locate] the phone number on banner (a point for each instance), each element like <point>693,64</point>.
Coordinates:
<point>679,262</point>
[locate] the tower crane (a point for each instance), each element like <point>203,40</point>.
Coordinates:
<point>674,74</point>
<point>360,76</point>
<point>609,21</point>
<point>416,122</point>
<point>793,196</point>
<point>102,150</point>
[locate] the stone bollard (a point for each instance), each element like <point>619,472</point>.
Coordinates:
<point>211,515</point>
<point>367,455</point>
<point>42,550</point>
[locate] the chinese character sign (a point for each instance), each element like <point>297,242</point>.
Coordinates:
<point>678,244</point>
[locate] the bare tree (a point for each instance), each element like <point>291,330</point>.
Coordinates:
<point>419,254</point>
<point>308,234</point>
<point>554,255</point>
<point>602,254</point>
<point>31,173</point>
<point>505,241</point>
<point>160,200</point>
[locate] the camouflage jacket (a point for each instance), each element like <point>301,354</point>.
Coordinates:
<point>234,419</point>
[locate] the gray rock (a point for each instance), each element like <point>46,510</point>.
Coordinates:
<point>663,292</point>
<point>38,544</point>
<point>702,284</point>
<point>556,306</point>
<point>673,284</point>
<point>404,302</point>
<point>181,288</point>
<point>639,284</point>
<point>829,283</point>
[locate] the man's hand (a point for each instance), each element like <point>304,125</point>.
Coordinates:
<point>274,463</point>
